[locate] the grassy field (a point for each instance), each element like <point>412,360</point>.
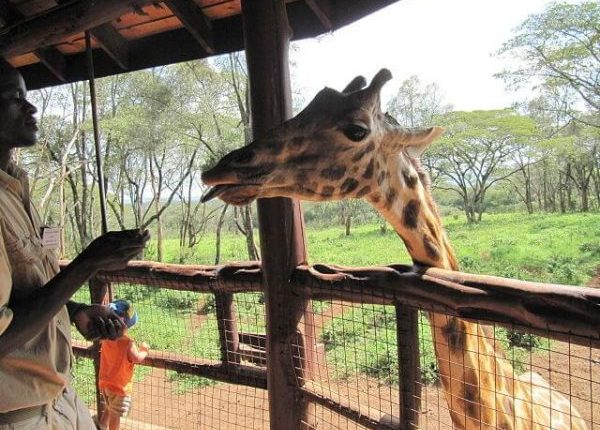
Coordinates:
<point>546,248</point>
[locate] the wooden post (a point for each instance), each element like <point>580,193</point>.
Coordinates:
<point>267,35</point>
<point>407,328</point>
<point>228,331</point>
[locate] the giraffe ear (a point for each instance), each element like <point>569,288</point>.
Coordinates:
<point>355,84</point>
<point>416,140</point>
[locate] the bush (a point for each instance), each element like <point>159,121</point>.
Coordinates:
<point>430,374</point>
<point>522,340</point>
<point>383,366</point>
<point>592,248</point>
<point>563,269</point>
<point>181,300</point>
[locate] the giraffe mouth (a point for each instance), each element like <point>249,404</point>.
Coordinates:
<point>232,194</point>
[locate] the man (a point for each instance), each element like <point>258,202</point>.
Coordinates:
<point>35,311</point>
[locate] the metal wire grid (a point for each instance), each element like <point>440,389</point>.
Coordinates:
<point>182,325</point>
<point>354,363</point>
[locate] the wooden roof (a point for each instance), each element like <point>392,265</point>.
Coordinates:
<point>45,39</point>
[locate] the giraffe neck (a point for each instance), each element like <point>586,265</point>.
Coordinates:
<point>479,383</point>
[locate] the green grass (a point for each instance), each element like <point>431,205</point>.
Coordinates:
<point>541,247</point>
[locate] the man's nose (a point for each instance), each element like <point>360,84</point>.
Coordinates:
<point>29,108</point>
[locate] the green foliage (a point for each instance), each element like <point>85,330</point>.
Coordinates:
<point>518,339</point>
<point>559,48</point>
<point>592,248</point>
<point>563,269</point>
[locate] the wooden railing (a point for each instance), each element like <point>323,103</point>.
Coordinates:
<point>565,313</point>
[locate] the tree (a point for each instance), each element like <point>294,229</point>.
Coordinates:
<point>560,48</point>
<point>475,153</point>
<point>416,104</point>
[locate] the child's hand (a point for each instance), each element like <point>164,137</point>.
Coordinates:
<point>144,347</point>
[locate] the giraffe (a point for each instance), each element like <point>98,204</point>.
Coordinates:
<point>343,146</point>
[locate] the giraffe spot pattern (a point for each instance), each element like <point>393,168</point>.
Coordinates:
<point>432,229</point>
<point>472,404</point>
<point>305,159</point>
<point>327,191</point>
<point>430,248</point>
<point>410,180</point>
<point>381,177</point>
<point>390,197</point>
<point>363,191</point>
<point>410,214</point>
<point>360,154</point>
<point>333,173</point>
<point>369,170</point>
<point>301,177</point>
<point>455,334</point>
<point>349,185</point>
<point>375,197</point>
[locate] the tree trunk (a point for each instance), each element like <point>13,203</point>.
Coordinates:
<point>584,198</point>
<point>348,224</point>
<point>249,233</point>
<point>218,234</point>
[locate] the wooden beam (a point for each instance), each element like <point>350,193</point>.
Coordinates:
<point>50,57</point>
<point>60,22</point>
<point>192,18</point>
<point>113,44</point>
<point>54,61</point>
<point>282,241</point>
<point>322,9</point>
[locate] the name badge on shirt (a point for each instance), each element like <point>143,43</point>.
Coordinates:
<point>51,237</point>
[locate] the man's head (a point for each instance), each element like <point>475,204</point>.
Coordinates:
<point>18,126</point>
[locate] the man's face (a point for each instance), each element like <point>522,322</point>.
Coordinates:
<point>18,126</point>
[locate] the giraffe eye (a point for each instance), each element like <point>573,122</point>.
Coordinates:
<point>355,132</point>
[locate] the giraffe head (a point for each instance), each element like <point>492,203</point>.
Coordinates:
<point>340,146</point>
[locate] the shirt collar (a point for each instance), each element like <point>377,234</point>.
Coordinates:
<point>14,179</point>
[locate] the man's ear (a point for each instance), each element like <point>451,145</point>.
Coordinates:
<point>416,140</point>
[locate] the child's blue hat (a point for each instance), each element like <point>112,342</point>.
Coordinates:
<point>124,309</point>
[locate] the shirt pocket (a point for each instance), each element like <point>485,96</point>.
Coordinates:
<point>21,250</point>
<point>25,254</point>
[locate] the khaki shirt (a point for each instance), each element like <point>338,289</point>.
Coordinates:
<point>35,373</point>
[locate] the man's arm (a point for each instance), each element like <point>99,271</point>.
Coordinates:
<point>73,308</point>
<point>30,315</point>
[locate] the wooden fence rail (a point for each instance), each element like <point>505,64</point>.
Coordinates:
<point>561,312</point>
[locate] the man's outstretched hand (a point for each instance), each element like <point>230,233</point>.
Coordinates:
<point>113,250</point>
<point>97,322</point>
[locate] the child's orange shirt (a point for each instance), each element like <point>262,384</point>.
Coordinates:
<point>116,370</point>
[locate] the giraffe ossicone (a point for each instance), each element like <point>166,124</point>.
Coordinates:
<point>343,146</point>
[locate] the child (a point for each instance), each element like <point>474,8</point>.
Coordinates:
<point>117,359</point>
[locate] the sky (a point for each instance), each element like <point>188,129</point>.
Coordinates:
<point>449,42</point>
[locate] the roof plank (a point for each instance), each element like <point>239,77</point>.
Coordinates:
<point>194,21</point>
<point>115,45</point>
<point>52,26</point>
<point>54,61</point>
<point>322,9</point>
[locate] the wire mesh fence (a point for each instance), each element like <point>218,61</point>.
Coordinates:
<point>208,360</point>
